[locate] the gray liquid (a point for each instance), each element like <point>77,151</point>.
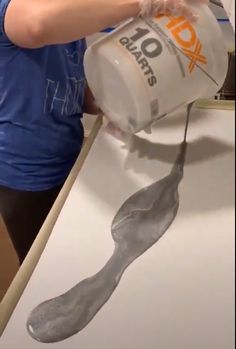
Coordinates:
<point>139,223</point>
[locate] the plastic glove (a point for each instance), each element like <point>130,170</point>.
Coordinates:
<point>150,8</point>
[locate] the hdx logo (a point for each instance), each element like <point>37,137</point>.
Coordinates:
<point>186,37</point>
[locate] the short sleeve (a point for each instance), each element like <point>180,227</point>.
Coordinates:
<point>3,7</point>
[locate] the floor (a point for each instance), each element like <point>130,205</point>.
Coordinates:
<point>8,260</point>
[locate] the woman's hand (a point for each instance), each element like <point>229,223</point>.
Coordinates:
<point>90,106</point>
<point>151,8</point>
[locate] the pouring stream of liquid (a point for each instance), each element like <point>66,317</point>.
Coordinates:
<point>140,222</point>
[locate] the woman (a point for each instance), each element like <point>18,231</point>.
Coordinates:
<point>42,98</point>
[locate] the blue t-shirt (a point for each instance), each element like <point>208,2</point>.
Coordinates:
<point>41,102</point>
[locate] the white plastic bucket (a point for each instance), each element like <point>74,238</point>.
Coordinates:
<point>149,67</point>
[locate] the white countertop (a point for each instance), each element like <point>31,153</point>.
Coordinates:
<point>180,293</point>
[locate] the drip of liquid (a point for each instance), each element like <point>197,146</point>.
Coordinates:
<point>140,222</point>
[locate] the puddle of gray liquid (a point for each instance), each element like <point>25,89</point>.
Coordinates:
<point>139,223</point>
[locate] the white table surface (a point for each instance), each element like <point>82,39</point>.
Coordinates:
<point>180,293</point>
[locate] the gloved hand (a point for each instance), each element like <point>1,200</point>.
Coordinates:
<point>90,105</point>
<point>150,8</point>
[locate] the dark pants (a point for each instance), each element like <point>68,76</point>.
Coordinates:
<point>23,213</point>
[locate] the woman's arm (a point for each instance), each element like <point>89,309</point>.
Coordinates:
<point>36,23</point>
